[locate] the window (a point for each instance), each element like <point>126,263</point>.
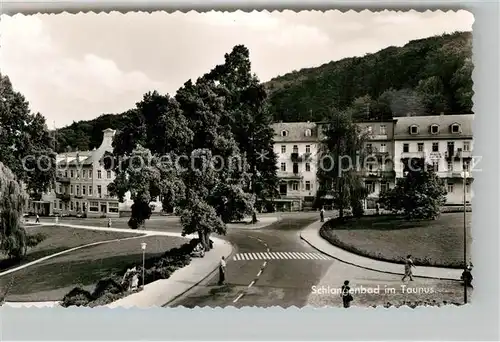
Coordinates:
<point>383,130</point>
<point>308,185</point>
<point>406,147</point>
<point>370,167</point>
<point>72,205</point>
<point>308,133</point>
<point>308,148</point>
<point>72,173</point>
<point>78,190</point>
<point>369,129</point>
<point>283,167</point>
<point>434,129</point>
<point>284,133</point>
<point>466,166</point>
<point>450,188</point>
<point>71,189</point>
<point>295,186</point>
<point>295,149</point>
<point>413,129</point>
<point>466,146</point>
<point>108,174</point>
<point>58,188</point>
<point>383,147</point>
<point>99,190</point>
<point>98,174</point>
<point>435,147</point>
<point>308,167</point>
<point>83,189</point>
<point>435,165</point>
<point>283,189</point>
<point>90,175</point>
<point>467,188</point>
<point>295,168</point>
<point>370,186</point>
<point>90,190</point>
<point>84,174</point>
<point>384,186</point>
<point>450,166</point>
<point>78,174</point>
<point>420,147</point>
<point>283,148</point>
<point>66,173</point>
<point>60,205</point>
<point>455,128</point>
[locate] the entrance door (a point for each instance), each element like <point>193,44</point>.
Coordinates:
<point>103,208</point>
<point>283,189</point>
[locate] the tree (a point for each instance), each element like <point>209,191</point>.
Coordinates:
<point>26,147</point>
<point>246,101</point>
<point>14,240</point>
<point>338,169</point>
<point>420,194</point>
<point>403,102</point>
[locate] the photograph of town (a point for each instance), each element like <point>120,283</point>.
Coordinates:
<point>236,159</point>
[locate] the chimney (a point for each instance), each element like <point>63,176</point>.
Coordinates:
<point>107,139</point>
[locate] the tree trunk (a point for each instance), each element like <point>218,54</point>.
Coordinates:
<point>207,241</point>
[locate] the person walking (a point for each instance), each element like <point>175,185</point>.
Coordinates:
<point>408,266</point>
<point>346,294</point>
<point>37,219</point>
<point>322,214</point>
<point>109,222</point>
<point>222,271</point>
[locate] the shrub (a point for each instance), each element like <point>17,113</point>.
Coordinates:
<point>107,285</point>
<point>77,297</point>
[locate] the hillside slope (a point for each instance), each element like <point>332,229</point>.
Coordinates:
<point>426,76</point>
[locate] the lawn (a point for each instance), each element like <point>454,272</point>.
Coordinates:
<point>60,238</point>
<point>52,279</point>
<point>390,238</point>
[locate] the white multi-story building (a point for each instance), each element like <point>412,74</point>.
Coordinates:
<point>445,141</point>
<point>296,146</point>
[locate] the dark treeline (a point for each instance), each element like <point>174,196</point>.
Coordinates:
<point>424,77</point>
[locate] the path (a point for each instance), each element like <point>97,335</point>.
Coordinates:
<point>312,237</point>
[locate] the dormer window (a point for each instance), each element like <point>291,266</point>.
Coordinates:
<point>434,129</point>
<point>455,128</point>
<point>308,132</point>
<point>413,129</point>
<point>284,133</point>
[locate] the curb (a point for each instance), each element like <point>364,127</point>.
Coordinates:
<point>365,267</point>
<point>211,273</point>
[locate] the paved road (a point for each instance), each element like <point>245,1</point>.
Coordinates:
<point>284,279</point>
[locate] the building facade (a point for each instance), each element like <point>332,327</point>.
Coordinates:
<point>296,146</point>
<point>445,142</point>
<point>81,185</point>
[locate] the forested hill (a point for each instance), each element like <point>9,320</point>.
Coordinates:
<point>424,77</point>
<point>431,76</point>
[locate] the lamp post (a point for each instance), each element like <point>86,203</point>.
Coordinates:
<point>143,247</point>
<point>465,233</point>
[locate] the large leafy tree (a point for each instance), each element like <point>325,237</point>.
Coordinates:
<point>419,195</point>
<point>338,171</point>
<point>26,146</point>
<point>246,102</point>
<point>14,240</point>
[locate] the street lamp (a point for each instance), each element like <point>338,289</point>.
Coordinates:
<point>465,233</point>
<point>143,247</point>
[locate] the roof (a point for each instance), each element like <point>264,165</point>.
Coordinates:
<point>424,123</point>
<point>296,131</point>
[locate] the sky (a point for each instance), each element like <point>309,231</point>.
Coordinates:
<point>77,67</point>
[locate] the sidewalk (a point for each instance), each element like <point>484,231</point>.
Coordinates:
<point>163,291</point>
<point>312,237</point>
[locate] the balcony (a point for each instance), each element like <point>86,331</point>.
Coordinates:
<point>378,174</point>
<point>412,155</point>
<point>377,137</point>
<point>464,154</point>
<point>63,197</point>
<point>62,179</point>
<point>289,175</point>
<point>294,156</point>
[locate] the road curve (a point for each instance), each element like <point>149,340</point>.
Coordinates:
<point>274,267</point>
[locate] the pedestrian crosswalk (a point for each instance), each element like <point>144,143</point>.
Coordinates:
<point>280,256</point>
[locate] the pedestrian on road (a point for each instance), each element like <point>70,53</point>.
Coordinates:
<point>346,294</point>
<point>57,219</point>
<point>222,271</point>
<point>322,214</point>
<point>37,219</point>
<point>408,265</point>
<point>109,222</point>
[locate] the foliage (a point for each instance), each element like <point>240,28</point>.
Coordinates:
<point>337,174</point>
<point>77,297</point>
<point>420,194</point>
<point>14,240</point>
<point>26,147</point>
<point>436,70</point>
